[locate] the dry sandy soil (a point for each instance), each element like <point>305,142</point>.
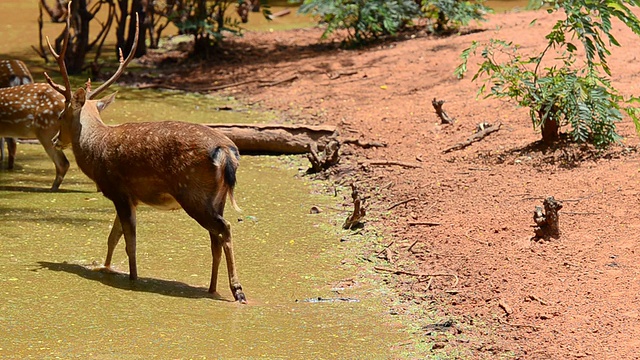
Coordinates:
<point>572,297</point>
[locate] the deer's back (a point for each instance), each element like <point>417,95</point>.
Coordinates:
<point>28,109</point>
<point>154,161</point>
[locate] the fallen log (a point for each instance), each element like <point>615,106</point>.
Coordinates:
<point>277,138</point>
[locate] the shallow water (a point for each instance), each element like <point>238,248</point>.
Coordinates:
<point>53,305</point>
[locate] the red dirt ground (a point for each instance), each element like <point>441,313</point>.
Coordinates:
<point>573,297</point>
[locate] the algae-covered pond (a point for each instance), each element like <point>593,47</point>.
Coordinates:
<point>52,305</point>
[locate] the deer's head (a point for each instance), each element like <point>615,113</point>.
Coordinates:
<point>82,104</point>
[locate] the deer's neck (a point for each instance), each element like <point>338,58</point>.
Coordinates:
<point>90,142</point>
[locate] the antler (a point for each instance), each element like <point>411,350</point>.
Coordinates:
<point>123,65</point>
<point>66,91</point>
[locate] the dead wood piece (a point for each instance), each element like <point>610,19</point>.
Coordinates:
<point>532,327</point>
<point>547,221</point>
<point>444,118</point>
<point>276,83</point>
<point>473,138</point>
<point>277,138</point>
<point>401,203</point>
<point>338,74</point>
<point>536,298</point>
<point>359,211</point>
<point>411,247</point>
<point>198,89</point>
<point>411,273</point>
<point>392,163</point>
<point>328,158</point>
<point>280,14</point>
<point>423,223</point>
<point>362,144</point>
<point>506,307</point>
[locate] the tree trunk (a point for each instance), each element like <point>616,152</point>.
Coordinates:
<point>276,138</point>
<point>550,127</point>
<point>75,56</point>
<point>125,43</point>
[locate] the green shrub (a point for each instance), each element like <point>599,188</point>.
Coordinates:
<point>450,15</point>
<point>362,19</point>
<point>566,92</point>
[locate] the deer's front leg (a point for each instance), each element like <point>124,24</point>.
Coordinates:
<point>127,216</point>
<point>114,238</point>
<point>12,147</point>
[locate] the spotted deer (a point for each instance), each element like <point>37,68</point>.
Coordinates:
<point>168,165</point>
<point>31,111</point>
<point>12,73</point>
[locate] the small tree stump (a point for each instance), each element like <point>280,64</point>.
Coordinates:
<point>354,220</point>
<point>547,221</point>
<point>437,106</point>
<point>326,159</point>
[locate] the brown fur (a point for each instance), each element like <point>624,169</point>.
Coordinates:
<point>168,165</point>
<point>31,111</point>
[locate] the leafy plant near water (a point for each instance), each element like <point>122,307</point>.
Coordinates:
<point>566,91</point>
<point>450,15</point>
<point>367,19</point>
<point>362,19</point>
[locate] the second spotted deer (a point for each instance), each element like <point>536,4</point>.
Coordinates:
<point>12,73</point>
<point>30,111</point>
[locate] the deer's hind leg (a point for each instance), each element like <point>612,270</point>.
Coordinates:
<point>220,234</point>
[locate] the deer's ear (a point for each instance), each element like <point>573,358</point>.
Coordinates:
<point>106,101</point>
<point>79,97</point>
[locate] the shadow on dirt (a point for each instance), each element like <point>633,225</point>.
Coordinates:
<point>564,154</point>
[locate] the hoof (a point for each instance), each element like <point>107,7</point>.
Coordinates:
<point>239,295</point>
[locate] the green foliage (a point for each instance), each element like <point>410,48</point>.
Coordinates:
<point>206,20</point>
<point>362,19</point>
<point>565,91</point>
<point>450,15</point>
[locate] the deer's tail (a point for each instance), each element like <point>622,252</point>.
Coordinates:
<point>226,159</point>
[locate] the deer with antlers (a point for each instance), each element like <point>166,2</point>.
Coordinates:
<point>168,165</point>
<point>30,110</point>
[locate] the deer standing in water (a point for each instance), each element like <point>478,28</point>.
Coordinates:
<point>29,110</point>
<point>12,73</point>
<point>168,165</point>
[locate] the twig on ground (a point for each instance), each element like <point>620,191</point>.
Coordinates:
<point>391,163</point>
<point>195,88</point>
<point>275,83</point>
<point>410,273</point>
<point>506,307</point>
<point>580,213</point>
<point>401,203</point>
<point>423,223</point>
<point>338,74</point>
<point>473,138</point>
<point>361,143</point>
<point>385,248</point>
<point>412,245</point>
<point>576,200</point>
<point>533,327</point>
